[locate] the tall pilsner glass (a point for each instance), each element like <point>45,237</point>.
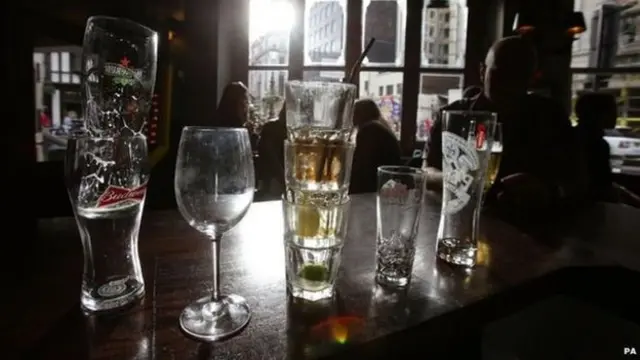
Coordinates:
<point>106,181</point>
<point>119,59</point>
<point>214,185</point>
<point>319,149</point>
<point>467,141</point>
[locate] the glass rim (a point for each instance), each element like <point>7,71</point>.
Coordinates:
<point>395,170</point>
<point>344,202</point>
<point>149,32</point>
<point>347,144</point>
<point>320,84</point>
<point>213,128</point>
<point>471,112</point>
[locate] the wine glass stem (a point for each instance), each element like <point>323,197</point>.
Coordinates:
<point>215,256</point>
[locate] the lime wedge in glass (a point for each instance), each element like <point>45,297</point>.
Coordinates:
<point>308,222</point>
<point>314,272</point>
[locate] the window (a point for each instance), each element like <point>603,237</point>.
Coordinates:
<point>384,21</point>
<point>57,96</point>
<point>326,22</point>
<point>267,90</point>
<point>390,104</point>
<point>327,47</point>
<point>436,90</point>
<point>443,47</point>
<point>609,61</point>
<point>389,90</point>
<point>269,39</point>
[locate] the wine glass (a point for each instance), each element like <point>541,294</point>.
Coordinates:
<point>214,186</point>
<point>494,158</point>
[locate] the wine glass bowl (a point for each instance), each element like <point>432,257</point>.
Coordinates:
<point>214,187</point>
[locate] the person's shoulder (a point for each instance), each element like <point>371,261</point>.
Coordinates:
<point>462,104</point>
<point>537,101</point>
<point>371,128</point>
<point>376,131</point>
<point>273,127</point>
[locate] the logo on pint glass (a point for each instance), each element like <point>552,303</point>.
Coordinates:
<point>481,136</point>
<point>116,194</point>
<point>397,192</point>
<point>112,288</point>
<point>121,73</point>
<point>459,161</point>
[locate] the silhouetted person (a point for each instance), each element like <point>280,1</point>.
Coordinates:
<point>376,145</point>
<point>233,107</point>
<point>540,168</point>
<point>271,153</point>
<point>471,91</point>
<point>596,112</point>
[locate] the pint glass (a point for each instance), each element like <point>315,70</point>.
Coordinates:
<point>119,59</point>
<point>467,141</point>
<point>106,182</point>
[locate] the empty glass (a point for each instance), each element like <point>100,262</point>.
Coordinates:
<point>119,63</point>
<point>214,186</point>
<point>399,200</point>
<point>106,182</point>
<point>467,143</point>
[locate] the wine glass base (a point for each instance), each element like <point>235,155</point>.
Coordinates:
<point>205,320</point>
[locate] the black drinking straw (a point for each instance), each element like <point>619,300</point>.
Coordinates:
<point>355,69</point>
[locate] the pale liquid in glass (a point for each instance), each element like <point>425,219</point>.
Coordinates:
<point>318,167</point>
<point>494,166</point>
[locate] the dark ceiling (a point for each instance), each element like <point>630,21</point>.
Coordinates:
<point>61,22</point>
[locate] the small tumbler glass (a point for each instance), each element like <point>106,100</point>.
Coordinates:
<point>399,200</point>
<point>310,180</point>
<point>467,142</point>
<point>314,237</point>
<point>320,140</point>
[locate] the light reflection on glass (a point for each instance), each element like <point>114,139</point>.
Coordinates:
<point>483,255</point>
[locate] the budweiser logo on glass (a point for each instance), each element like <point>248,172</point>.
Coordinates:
<point>117,195</point>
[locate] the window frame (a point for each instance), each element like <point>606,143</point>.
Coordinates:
<point>597,71</point>
<point>411,68</point>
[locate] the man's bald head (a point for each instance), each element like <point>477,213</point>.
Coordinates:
<point>509,67</point>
